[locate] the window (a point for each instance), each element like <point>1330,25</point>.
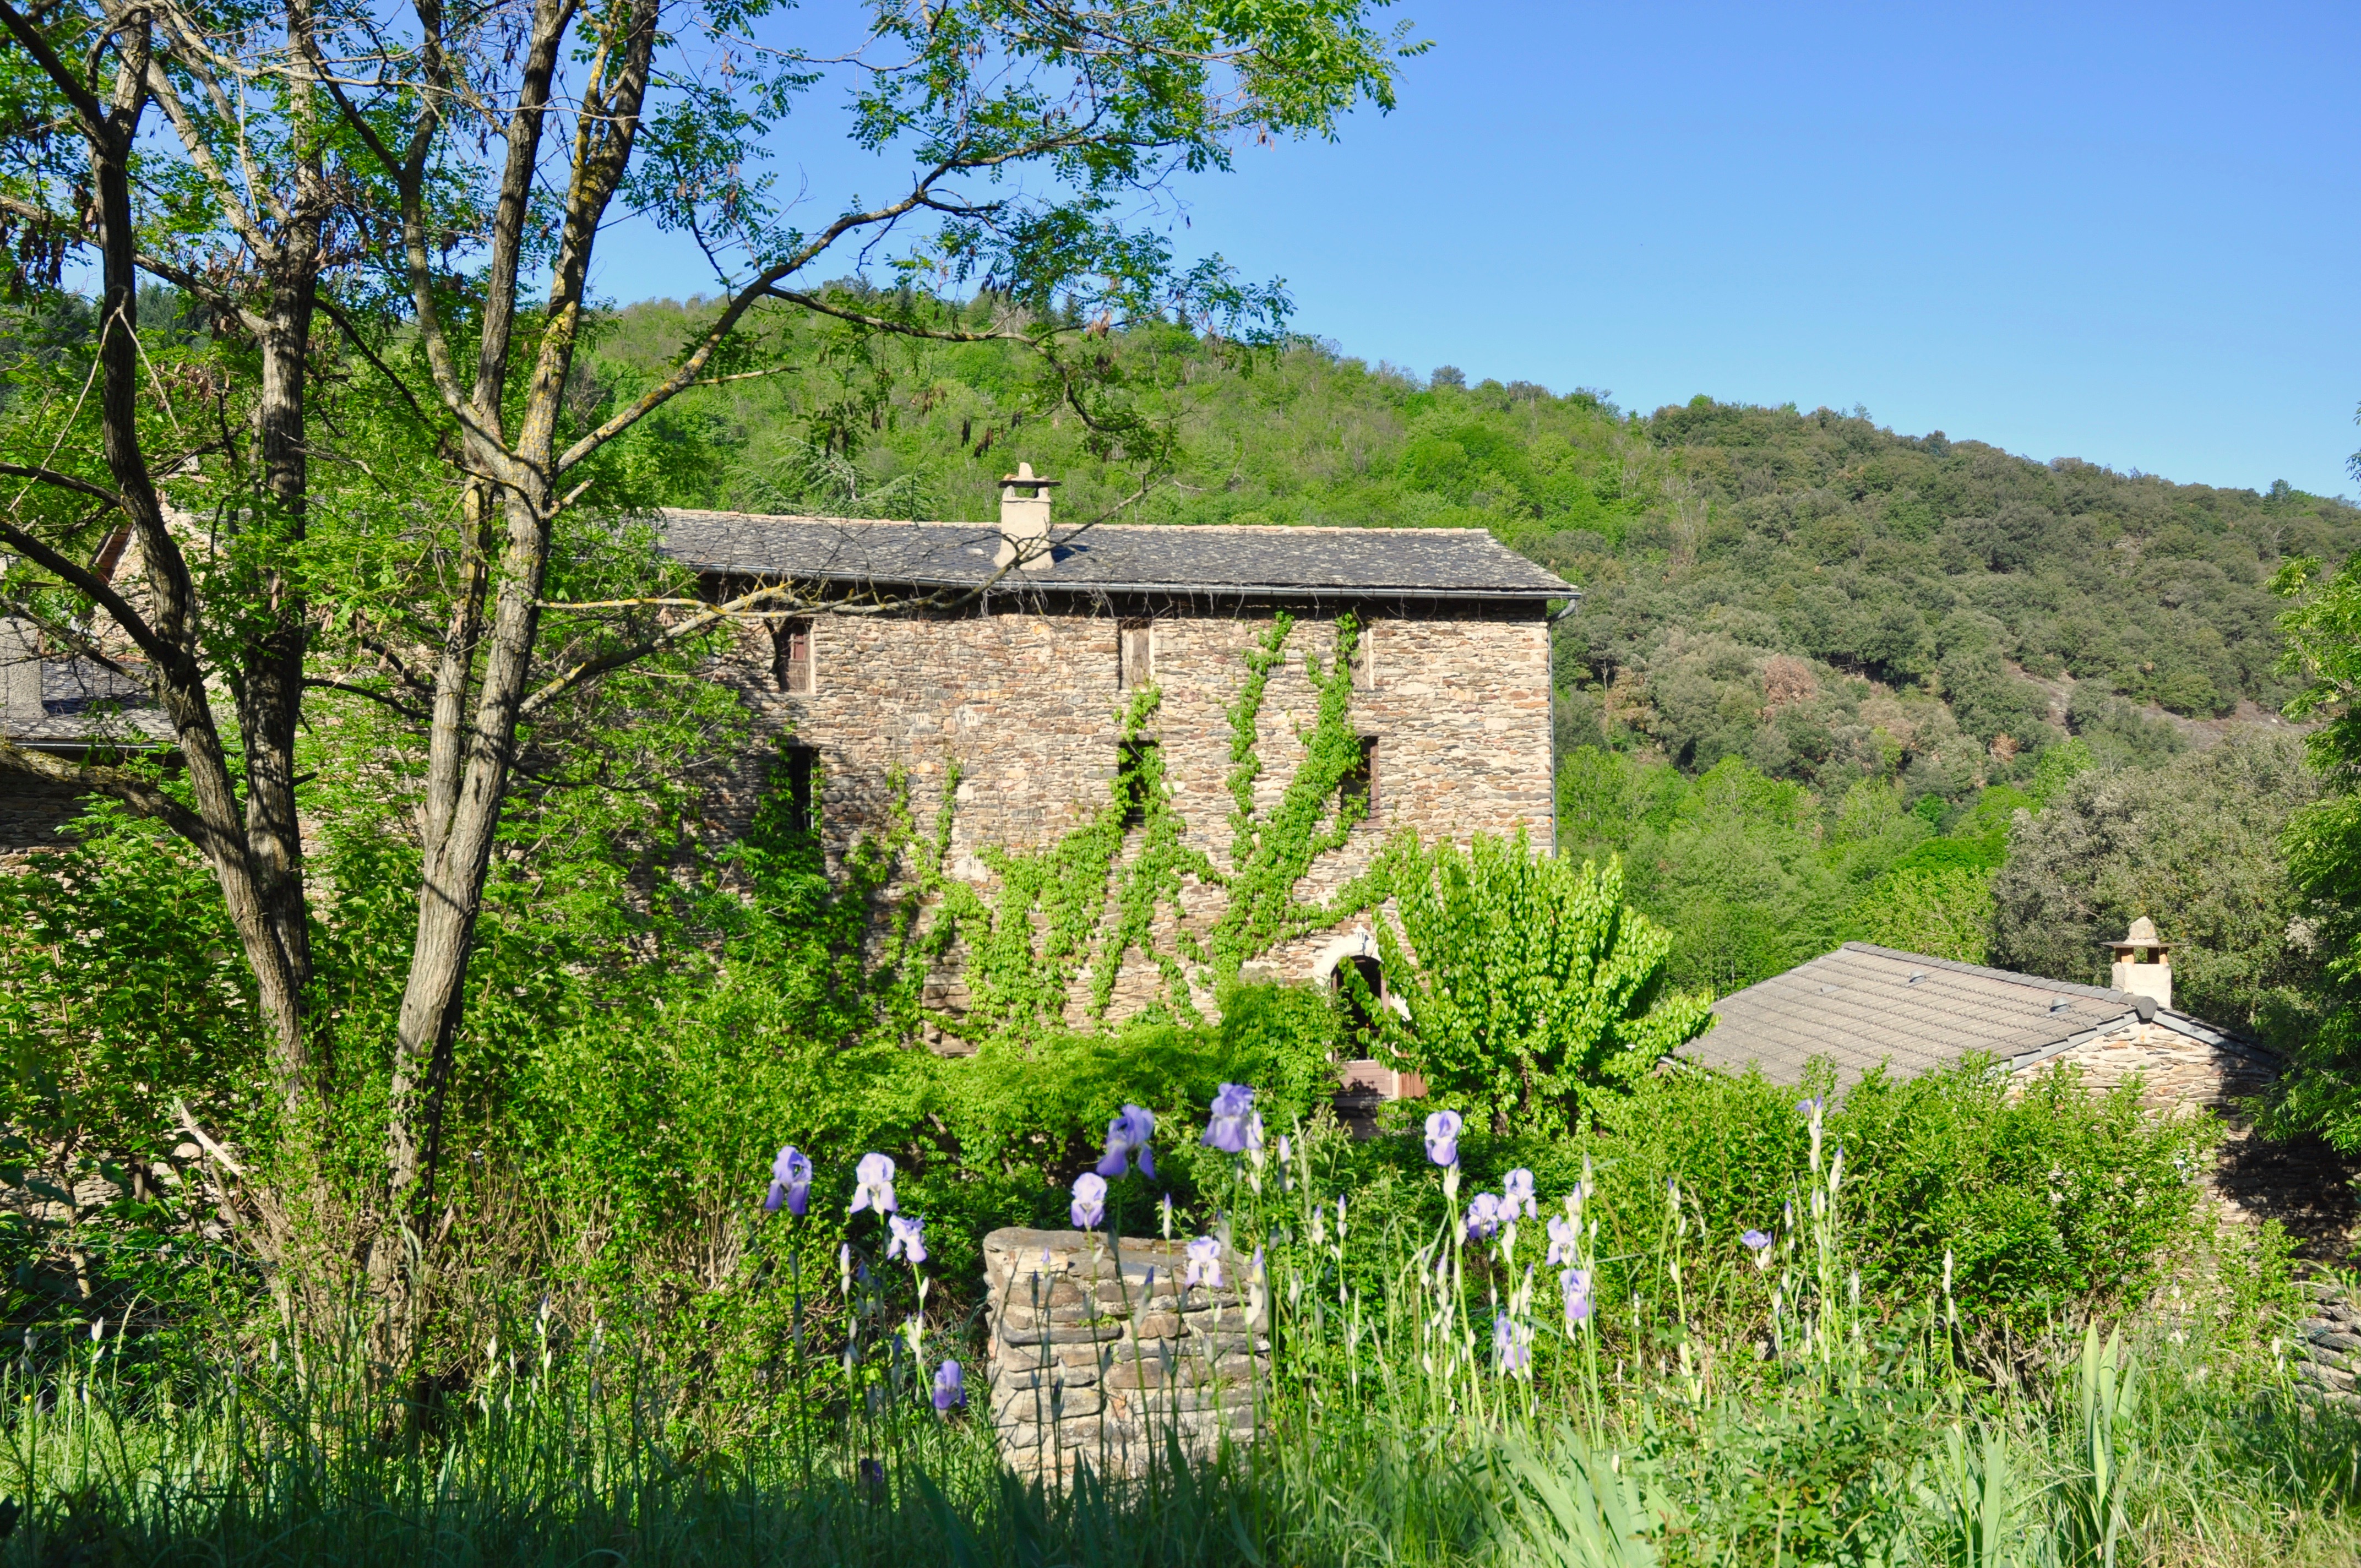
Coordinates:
<point>1136,653</point>
<point>1360,985</point>
<point>1360,781</point>
<point>791,651</point>
<point>799,766</point>
<point>1364,660</point>
<point>1133,779</point>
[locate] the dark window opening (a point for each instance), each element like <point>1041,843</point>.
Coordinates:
<point>1360,986</point>
<point>1134,782</point>
<point>1136,653</point>
<point>1360,781</point>
<point>791,660</point>
<point>800,766</point>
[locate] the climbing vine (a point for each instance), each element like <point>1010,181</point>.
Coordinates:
<point>1079,907</point>
<point>1269,855</point>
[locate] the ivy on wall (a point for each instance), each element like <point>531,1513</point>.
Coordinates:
<point>1081,906</point>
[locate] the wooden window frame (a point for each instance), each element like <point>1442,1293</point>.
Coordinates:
<point>1363,662</point>
<point>788,636</point>
<point>1134,654</point>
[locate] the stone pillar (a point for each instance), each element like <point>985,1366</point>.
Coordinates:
<point>20,676</point>
<point>1093,1367</point>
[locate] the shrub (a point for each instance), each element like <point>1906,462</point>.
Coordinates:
<point>1530,986</point>
<point>2052,1200</point>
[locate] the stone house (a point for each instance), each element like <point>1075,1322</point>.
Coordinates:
<point>1864,1007</point>
<point>1008,652</point>
<point>70,706</point>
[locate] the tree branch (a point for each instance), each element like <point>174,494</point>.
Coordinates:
<point>140,795</point>
<point>92,587</point>
<point>65,481</point>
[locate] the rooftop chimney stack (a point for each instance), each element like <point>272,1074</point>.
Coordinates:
<point>20,675</point>
<point>2143,964</point>
<point>1023,520</point>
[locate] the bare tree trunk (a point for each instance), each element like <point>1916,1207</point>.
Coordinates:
<point>470,763</point>
<point>263,893</point>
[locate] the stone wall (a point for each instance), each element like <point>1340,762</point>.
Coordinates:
<point>32,814</point>
<point>1092,1367</point>
<point>2328,1344</point>
<point>2179,1061</point>
<point>1025,701</point>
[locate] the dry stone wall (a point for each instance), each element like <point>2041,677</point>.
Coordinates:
<point>2328,1344</point>
<point>1091,1365</point>
<point>2176,1067</point>
<point>1024,700</point>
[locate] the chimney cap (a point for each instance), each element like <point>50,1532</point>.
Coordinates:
<point>2141,937</point>
<point>1024,476</point>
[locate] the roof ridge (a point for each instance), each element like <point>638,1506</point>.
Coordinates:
<point>1075,528</point>
<point>2039,982</point>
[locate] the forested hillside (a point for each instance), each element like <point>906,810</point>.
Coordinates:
<point>1818,665</point>
<point>1825,598</point>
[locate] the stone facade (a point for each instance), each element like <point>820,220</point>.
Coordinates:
<point>1092,1366</point>
<point>1025,700</point>
<point>2179,1062</point>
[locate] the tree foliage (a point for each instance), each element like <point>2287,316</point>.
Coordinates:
<point>1529,987</point>
<point>2194,848</point>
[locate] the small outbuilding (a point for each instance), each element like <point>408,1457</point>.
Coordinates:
<point>1862,1007</point>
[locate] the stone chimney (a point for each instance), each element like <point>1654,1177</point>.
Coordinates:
<point>1023,520</point>
<point>2143,964</point>
<point>20,676</point>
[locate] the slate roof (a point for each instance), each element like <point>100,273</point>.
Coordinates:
<point>1386,563</point>
<point>83,703</point>
<point>1862,1007</point>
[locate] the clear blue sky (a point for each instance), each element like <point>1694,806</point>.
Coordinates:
<point>2121,234</point>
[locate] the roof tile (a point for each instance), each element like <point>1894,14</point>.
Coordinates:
<point>1450,563</point>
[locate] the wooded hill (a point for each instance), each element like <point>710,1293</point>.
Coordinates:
<point>1825,598</point>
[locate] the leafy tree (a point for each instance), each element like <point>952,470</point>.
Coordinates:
<point>1531,987</point>
<point>1943,913</point>
<point>2322,843</point>
<point>409,175</point>
<point>2196,848</point>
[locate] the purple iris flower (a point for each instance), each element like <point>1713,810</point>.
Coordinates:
<point>1233,1127</point>
<point>1205,1264</point>
<point>1511,1350</point>
<point>1755,1240</point>
<point>909,1237</point>
<point>1128,1136</point>
<point>1443,1137</point>
<point>1485,1213</point>
<point>1090,1200</point>
<point>1577,1284</point>
<point>1517,1192</point>
<point>873,1184</point>
<point>1565,1241</point>
<point>1812,1107</point>
<point>951,1385</point>
<point>791,1176</point>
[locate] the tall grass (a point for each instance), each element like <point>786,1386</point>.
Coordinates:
<point>1435,1394</point>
